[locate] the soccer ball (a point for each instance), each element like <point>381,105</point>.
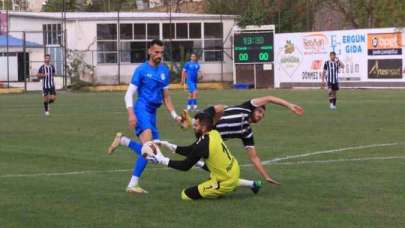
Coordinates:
<point>150,149</point>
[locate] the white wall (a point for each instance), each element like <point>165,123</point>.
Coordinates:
<point>299,57</point>
<point>12,70</point>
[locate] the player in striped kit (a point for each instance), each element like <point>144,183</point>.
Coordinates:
<point>235,122</point>
<point>331,73</point>
<point>47,72</point>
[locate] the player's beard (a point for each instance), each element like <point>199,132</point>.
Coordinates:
<point>157,60</point>
<point>198,134</point>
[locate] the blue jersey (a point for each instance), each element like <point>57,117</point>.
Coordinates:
<point>151,81</point>
<point>191,68</point>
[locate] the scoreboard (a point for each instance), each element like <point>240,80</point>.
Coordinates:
<point>255,47</point>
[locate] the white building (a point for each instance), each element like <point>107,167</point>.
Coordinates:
<point>103,44</point>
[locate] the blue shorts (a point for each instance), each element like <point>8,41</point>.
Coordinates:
<point>146,119</point>
<point>192,87</point>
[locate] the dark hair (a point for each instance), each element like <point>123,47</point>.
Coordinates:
<point>47,55</point>
<point>156,42</point>
<point>205,119</point>
<point>332,53</point>
<point>193,53</point>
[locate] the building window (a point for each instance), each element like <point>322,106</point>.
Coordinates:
<point>134,51</point>
<point>168,31</point>
<point>106,43</point>
<point>139,31</point>
<point>153,31</point>
<point>106,32</point>
<point>213,30</point>
<point>126,32</point>
<point>181,50</point>
<point>52,34</point>
<point>195,30</point>
<point>213,50</point>
<point>181,31</point>
<point>213,44</point>
<point>107,51</point>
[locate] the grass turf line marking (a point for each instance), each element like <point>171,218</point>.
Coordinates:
<point>275,161</point>
<point>327,152</point>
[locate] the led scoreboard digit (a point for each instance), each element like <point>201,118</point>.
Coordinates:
<point>253,47</point>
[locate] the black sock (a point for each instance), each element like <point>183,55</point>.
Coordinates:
<point>334,101</point>
<point>330,100</point>
<point>46,106</point>
<point>50,101</point>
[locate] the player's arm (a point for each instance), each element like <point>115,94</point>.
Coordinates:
<point>183,76</point>
<point>129,103</point>
<point>260,101</point>
<point>257,163</point>
<point>169,105</point>
<point>341,65</point>
<point>40,73</point>
<point>200,150</point>
<point>193,157</point>
<point>325,68</point>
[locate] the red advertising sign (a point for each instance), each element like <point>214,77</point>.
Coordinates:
<point>3,23</point>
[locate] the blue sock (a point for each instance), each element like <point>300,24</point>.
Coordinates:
<point>141,162</point>
<point>136,147</point>
<point>190,102</point>
<point>195,102</point>
<point>140,165</point>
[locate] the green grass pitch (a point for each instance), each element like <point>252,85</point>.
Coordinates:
<point>54,172</point>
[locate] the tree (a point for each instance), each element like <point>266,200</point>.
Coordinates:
<point>371,13</point>
<point>287,15</point>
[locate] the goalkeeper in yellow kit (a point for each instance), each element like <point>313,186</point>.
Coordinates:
<point>209,147</point>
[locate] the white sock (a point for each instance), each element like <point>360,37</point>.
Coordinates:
<point>125,141</point>
<point>134,181</point>
<point>194,106</point>
<point>246,183</point>
<point>188,107</point>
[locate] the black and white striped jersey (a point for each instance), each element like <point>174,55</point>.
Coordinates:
<point>235,123</point>
<point>49,72</point>
<point>331,70</point>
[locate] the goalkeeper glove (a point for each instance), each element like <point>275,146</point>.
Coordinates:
<point>158,158</point>
<point>167,145</point>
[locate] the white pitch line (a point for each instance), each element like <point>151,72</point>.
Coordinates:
<point>275,161</point>
<point>340,160</point>
<point>328,152</point>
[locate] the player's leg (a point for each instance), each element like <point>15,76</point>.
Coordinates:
<point>331,96</point>
<point>52,96</point>
<point>254,185</point>
<point>189,102</point>
<point>191,88</point>
<point>45,99</point>
<point>144,133</point>
<point>191,193</point>
<point>194,99</point>
<point>335,89</point>
<point>207,189</point>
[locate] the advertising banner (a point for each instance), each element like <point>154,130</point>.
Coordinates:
<point>385,68</point>
<point>368,55</point>
<point>384,43</point>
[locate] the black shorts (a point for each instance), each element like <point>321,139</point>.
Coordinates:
<point>333,86</point>
<point>50,91</point>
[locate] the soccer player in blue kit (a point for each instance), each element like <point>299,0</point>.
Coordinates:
<point>151,81</point>
<point>190,76</point>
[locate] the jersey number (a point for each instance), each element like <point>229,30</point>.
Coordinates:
<point>226,151</point>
